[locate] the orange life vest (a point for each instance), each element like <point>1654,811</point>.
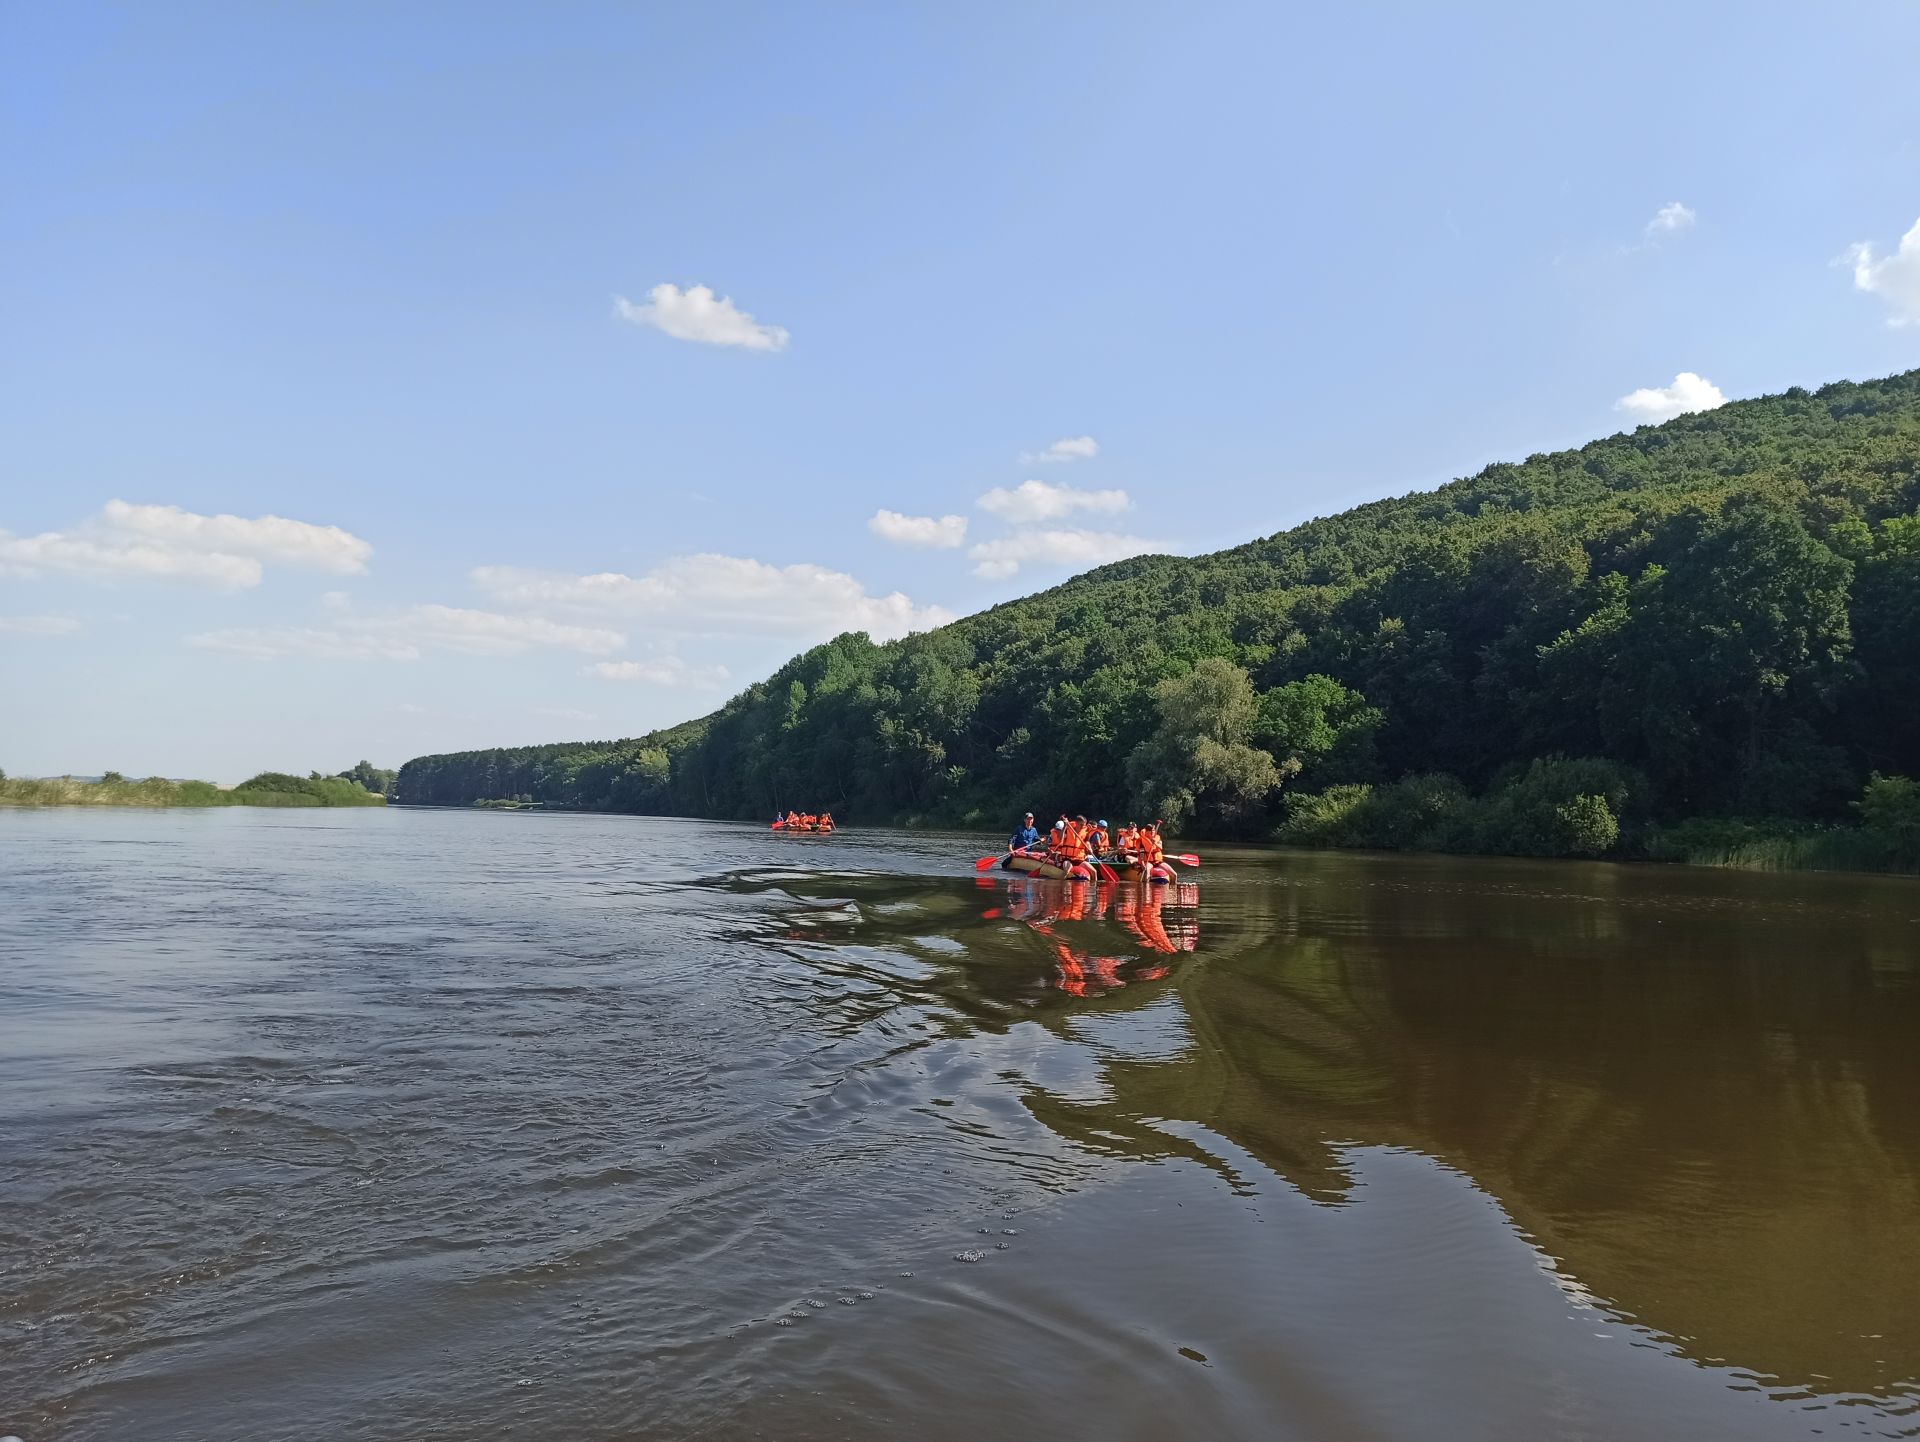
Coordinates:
<point>1152,848</point>
<point>1075,845</point>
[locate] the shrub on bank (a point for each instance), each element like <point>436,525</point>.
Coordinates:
<point>1556,806</point>
<point>1591,807</point>
<point>270,788</point>
<point>277,788</point>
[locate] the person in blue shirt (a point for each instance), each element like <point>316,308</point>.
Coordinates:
<point>1026,836</point>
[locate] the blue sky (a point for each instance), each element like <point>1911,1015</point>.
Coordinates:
<point>395,275</point>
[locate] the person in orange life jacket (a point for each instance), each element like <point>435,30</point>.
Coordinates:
<point>1153,850</point>
<point>1075,843</point>
<point>1101,840</point>
<point>826,821</point>
<point>793,818</point>
<point>1057,838</point>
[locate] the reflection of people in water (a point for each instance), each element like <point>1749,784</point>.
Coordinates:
<point>1161,919</point>
<point>1142,911</point>
<point>1084,975</point>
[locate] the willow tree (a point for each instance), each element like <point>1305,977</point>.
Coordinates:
<point>1199,764</point>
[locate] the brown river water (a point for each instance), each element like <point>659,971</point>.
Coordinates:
<point>441,1125</point>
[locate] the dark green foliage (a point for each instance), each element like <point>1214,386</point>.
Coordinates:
<point>1318,729</point>
<point>371,777</point>
<point>1890,814</point>
<point>1551,807</point>
<point>1197,764</point>
<point>276,788</point>
<point>1725,605</point>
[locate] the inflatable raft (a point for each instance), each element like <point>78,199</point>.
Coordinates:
<point>1128,869</point>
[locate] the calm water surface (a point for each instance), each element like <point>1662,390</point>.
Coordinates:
<point>434,1125</point>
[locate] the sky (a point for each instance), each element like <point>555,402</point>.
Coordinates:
<point>378,380</point>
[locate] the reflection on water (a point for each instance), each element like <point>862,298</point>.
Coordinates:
<point>438,1125</point>
<point>1697,1095</point>
<point>1162,920</point>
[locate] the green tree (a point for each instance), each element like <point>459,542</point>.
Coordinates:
<point>1318,728</point>
<point>1198,764</point>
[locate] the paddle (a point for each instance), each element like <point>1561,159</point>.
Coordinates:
<point>1107,873</point>
<point>1185,858</point>
<point>984,862</point>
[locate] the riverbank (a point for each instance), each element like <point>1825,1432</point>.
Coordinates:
<point>269,788</point>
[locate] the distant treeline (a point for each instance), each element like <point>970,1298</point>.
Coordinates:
<point>269,788</point>
<point>1713,618</point>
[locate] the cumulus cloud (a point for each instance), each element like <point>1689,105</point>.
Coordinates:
<point>1688,392</point>
<point>71,554</point>
<point>270,538</point>
<point>1067,448</point>
<point>1894,278</point>
<point>697,314</point>
<point>710,594</point>
<point>38,625</point>
<point>999,559</point>
<point>130,542</point>
<point>936,533</point>
<point>1670,219</point>
<point>404,635</point>
<point>661,671</point>
<point>1037,501</point>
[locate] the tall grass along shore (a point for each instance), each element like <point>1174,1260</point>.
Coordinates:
<point>269,788</point>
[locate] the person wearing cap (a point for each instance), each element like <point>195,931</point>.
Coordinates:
<point>1101,840</point>
<point>1025,837</point>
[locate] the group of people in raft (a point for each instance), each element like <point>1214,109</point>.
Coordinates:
<point>806,821</point>
<point>1075,844</point>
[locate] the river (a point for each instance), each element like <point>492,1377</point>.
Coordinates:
<point>442,1126</point>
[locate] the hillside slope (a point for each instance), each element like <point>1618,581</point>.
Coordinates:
<point>1728,604</point>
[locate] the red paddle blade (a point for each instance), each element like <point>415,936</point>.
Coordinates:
<point>776,825</point>
<point>984,862</point>
<point>1186,858</point>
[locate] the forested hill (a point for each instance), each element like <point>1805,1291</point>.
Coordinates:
<point>1722,612</point>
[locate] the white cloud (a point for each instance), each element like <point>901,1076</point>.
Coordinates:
<point>404,635</point>
<point>938,533</point>
<point>697,314</point>
<point>661,671</point>
<point>1037,501</point>
<point>38,625</point>
<point>129,542</point>
<point>1067,448</point>
<point>709,594</point>
<point>266,643</point>
<point>271,538</point>
<point>562,713</point>
<point>999,559</point>
<point>1688,392</point>
<point>71,554</point>
<point>1670,219</point>
<point>1894,278</point>
<point>336,600</point>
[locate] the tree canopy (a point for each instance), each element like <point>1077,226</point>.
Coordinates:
<point>1722,608</point>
